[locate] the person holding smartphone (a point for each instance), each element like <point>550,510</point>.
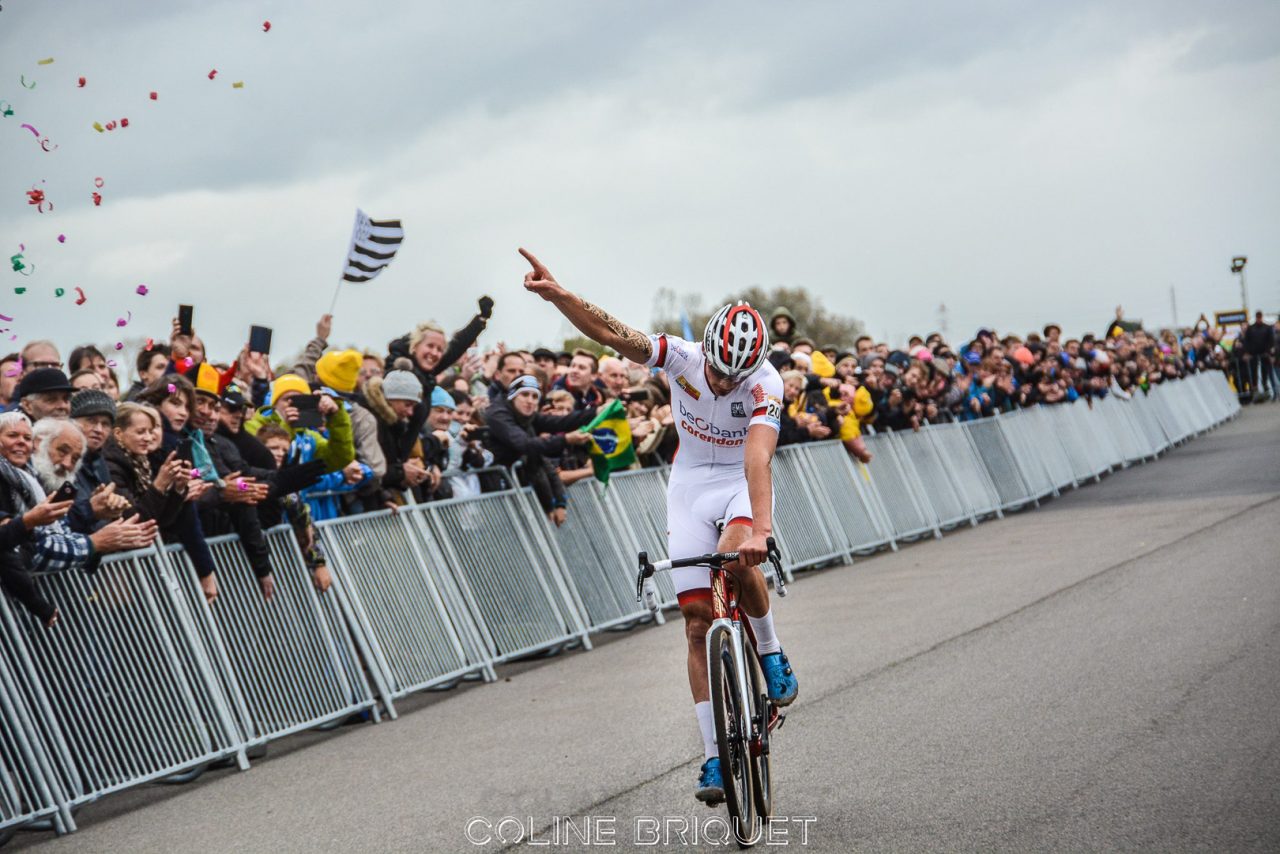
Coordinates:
<point>293,407</point>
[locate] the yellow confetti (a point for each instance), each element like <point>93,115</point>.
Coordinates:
<point>48,61</point>
<point>239,84</point>
<point>98,127</point>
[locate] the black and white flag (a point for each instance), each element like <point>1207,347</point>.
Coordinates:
<point>374,243</point>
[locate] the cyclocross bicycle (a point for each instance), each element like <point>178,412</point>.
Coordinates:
<point>744,716</point>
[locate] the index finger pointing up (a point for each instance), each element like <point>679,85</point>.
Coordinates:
<point>534,262</point>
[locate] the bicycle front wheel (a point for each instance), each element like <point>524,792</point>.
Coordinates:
<point>731,712</point>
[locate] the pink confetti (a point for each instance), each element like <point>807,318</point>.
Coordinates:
<point>213,74</point>
<point>194,473</point>
<point>111,363</point>
<point>98,182</point>
<point>119,345</point>
<point>17,369</point>
<point>34,132</point>
<point>141,290</point>
<point>3,317</point>
<point>62,238</point>
<point>154,96</point>
<point>173,389</point>
<point>187,363</point>
<point>121,321</point>
<point>83,299</point>
<point>242,486</point>
<point>150,343</point>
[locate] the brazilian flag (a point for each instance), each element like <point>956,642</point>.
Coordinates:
<point>610,440</point>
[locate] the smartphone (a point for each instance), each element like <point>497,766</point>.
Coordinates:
<point>260,339</point>
<point>184,319</point>
<point>66,492</point>
<point>308,406</point>
<point>635,394</point>
<point>184,449</point>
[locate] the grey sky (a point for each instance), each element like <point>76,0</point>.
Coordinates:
<point>1019,162</point>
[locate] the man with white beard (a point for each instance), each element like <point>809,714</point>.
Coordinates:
<point>55,457</point>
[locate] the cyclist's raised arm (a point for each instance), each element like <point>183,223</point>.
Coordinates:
<point>593,321</point>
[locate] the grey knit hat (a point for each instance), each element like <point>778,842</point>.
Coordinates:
<point>88,402</point>
<point>401,385</point>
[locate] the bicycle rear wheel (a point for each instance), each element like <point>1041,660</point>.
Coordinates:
<point>733,727</point>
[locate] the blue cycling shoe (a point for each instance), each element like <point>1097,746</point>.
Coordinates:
<point>710,783</point>
<point>782,683</point>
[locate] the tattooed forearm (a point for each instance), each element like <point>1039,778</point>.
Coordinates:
<point>628,338</point>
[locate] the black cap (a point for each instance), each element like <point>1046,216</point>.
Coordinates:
<point>233,398</point>
<point>42,380</point>
<point>544,353</point>
<point>90,401</point>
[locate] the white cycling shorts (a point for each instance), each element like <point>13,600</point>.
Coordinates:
<point>697,511</point>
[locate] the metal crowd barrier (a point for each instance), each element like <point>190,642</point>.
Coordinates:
<point>142,680</point>
<point>278,661</point>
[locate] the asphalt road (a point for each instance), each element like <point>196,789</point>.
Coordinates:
<point>1102,673</point>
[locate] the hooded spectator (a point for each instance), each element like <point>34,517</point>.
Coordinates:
<point>782,325</point>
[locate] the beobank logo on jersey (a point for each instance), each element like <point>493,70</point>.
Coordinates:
<point>701,428</point>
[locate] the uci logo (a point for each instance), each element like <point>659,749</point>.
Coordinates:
<point>607,439</point>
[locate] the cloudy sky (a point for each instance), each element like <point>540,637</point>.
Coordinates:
<point>1020,162</point>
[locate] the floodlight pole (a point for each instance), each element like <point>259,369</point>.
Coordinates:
<point>1237,267</point>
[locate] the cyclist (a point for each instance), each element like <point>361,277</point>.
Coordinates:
<point>726,400</point>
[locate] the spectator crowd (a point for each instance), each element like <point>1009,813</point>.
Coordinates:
<point>195,446</point>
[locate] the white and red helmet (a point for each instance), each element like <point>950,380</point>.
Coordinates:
<point>736,341</point>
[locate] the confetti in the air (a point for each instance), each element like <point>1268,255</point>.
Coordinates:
<point>23,80</point>
<point>81,299</point>
<point>97,199</point>
<point>213,74</point>
<point>58,292</point>
<point>142,290</point>
<point>266,26</point>
<point>239,84</point>
<point>81,83</point>
<point>122,321</point>
<point>62,238</point>
<point>48,61</point>
<point>154,96</point>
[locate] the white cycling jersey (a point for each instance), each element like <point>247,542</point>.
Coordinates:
<point>713,430</point>
<point>708,485</point>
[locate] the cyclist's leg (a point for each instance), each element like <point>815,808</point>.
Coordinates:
<point>691,533</point>
<point>735,526</point>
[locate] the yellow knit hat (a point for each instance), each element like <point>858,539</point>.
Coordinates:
<point>822,365</point>
<point>340,369</point>
<point>286,383</point>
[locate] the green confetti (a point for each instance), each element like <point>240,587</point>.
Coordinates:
<point>19,290</point>
<point>59,292</point>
